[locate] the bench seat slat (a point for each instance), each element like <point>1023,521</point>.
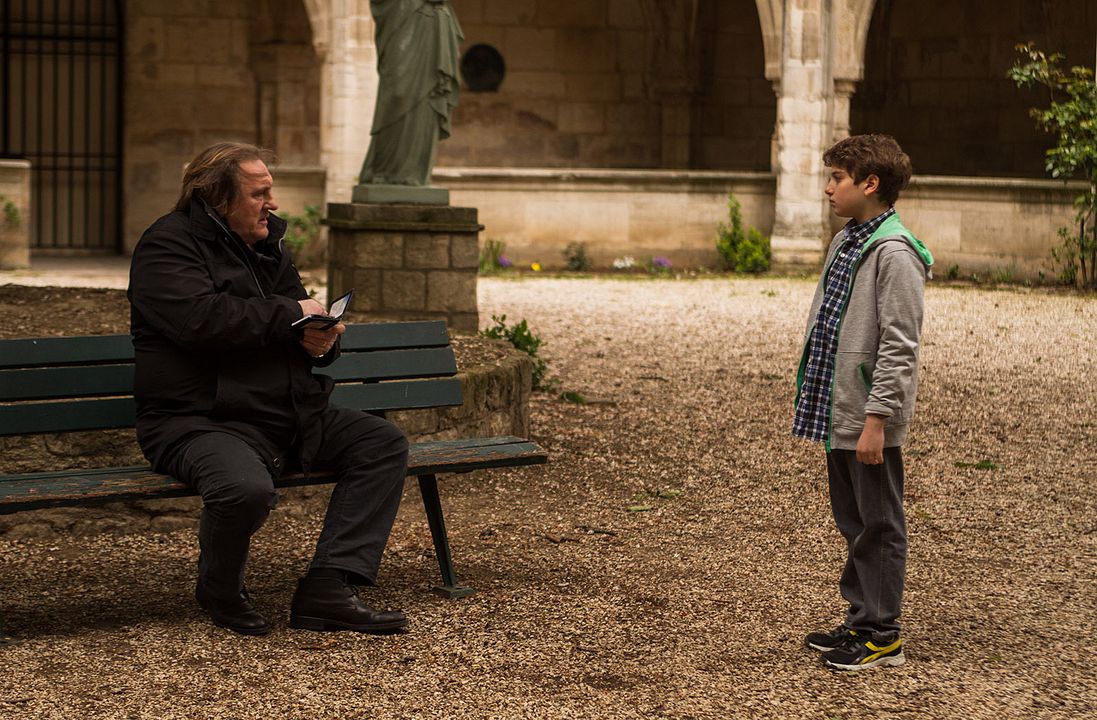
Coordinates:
<point>81,487</point>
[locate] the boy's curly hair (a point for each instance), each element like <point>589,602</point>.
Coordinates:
<point>879,155</point>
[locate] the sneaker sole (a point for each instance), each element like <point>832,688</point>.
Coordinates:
<point>323,625</point>
<point>888,661</point>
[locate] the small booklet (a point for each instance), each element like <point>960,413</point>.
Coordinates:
<point>335,313</point>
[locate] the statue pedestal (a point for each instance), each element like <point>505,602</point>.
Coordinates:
<point>400,194</point>
<point>406,261</point>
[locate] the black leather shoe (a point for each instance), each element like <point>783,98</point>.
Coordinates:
<point>237,614</point>
<point>323,603</point>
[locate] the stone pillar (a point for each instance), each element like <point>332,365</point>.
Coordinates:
<point>15,217</point>
<point>800,219</point>
<point>344,41</point>
<point>406,262</point>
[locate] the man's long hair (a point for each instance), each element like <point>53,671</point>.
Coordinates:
<point>214,175</point>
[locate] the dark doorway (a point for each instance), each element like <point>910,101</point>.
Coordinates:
<point>62,111</point>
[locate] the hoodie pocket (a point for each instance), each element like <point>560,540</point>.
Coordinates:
<point>865,374</point>
<point>852,383</point>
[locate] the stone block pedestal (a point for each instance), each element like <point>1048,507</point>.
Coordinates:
<point>406,262</point>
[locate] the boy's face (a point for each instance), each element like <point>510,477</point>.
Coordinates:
<point>851,199</point>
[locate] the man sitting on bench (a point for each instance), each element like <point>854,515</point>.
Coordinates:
<point>226,397</point>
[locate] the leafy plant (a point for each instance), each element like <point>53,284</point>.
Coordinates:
<point>575,257</point>
<point>12,217</point>
<point>1072,117</point>
<point>741,250</point>
<point>660,265</point>
<point>520,336</point>
<point>492,259</point>
<point>302,231</point>
<point>953,272</point>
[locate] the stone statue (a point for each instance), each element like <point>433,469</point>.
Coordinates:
<point>417,57</point>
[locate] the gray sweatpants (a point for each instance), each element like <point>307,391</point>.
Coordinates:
<point>867,501</point>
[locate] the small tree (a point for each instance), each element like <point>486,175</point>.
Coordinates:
<point>1072,115</point>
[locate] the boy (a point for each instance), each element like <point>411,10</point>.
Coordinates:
<point>855,390</point>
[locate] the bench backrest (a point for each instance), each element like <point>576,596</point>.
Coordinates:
<point>61,384</point>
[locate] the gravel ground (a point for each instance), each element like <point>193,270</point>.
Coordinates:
<point>670,558</point>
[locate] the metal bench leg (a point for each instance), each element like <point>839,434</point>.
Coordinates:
<point>428,486</point>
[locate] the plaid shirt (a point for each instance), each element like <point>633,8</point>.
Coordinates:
<point>812,420</point>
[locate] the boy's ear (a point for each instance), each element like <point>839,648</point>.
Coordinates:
<point>872,185</point>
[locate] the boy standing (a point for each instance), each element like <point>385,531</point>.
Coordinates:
<point>856,385</point>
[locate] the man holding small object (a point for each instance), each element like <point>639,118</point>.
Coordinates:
<point>227,400</point>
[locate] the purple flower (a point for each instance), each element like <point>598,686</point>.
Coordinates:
<point>504,261</point>
<point>661,262</point>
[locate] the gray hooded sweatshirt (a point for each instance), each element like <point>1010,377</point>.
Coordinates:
<point>876,367</point>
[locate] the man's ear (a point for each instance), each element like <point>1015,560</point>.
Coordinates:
<point>872,185</point>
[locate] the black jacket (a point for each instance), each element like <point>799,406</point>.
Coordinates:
<point>214,349</point>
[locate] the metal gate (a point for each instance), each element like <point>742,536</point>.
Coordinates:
<point>62,111</point>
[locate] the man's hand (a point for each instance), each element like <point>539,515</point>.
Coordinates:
<point>318,341</point>
<point>870,446</point>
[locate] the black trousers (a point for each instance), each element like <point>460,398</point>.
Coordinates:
<point>369,458</point>
<point>867,501</point>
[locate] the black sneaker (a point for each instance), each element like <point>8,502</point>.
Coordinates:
<point>827,641</point>
<point>860,652</point>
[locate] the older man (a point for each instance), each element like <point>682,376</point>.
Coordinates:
<point>227,400</point>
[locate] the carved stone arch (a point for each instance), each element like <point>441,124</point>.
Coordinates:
<point>319,12</point>
<point>771,18</point>
<point>851,20</point>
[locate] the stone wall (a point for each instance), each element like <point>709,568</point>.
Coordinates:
<point>638,213</point>
<point>15,217</point>
<point>935,78</point>
<point>496,382</point>
<point>990,227</point>
<point>200,72</point>
<point>616,84</point>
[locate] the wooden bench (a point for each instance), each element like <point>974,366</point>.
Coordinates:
<point>51,385</point>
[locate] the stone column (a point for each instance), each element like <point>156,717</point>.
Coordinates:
<point>800,220</point>
<point>406,262</point>
<point>348,91</point>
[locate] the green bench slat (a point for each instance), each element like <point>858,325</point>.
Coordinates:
<point>66,350</point>
<point>66,382</point>
<point>82,487</point>
<point>399,395</point>
<point>392,364</point>
<point>31,352</point>
<point>44,417</point>
<point>391,336</point>
<point>42,383</point>
<point>31,418</point>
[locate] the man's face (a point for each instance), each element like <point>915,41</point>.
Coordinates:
<point>248,212</point>
<point>848,199</point>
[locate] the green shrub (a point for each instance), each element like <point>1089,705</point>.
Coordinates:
<point>302,231</point>
<point>520,336</point>
<point>575,257</point>
<point>741,251</point>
